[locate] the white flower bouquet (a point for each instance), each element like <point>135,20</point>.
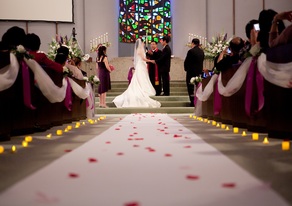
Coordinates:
<point>217,45</point>
<point>193,80</point>
<point>93,79</point>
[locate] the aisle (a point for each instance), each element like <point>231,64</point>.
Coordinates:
<point>143,160</point>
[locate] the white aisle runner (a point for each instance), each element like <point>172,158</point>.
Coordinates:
<point>143,160</point>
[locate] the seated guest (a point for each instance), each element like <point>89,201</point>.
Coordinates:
<point>4,55</point>
<point>77,63</point>
<point>251,34</point>
<point>230,56</point>
<point>265,20</point>
<point>13,37</point>
<point>32,44</point>
<point>62,58</point>
<point>286,36</point>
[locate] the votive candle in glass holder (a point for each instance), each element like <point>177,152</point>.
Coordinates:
<point>235,130</point>
<point>285,145</point>
<point>255,136</point>
<point>59,132</point>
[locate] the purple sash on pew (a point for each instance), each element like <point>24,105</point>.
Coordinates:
<point>217,100</point>
<point>68,97</point>
<point>253,70</point>
<point>26,86</point>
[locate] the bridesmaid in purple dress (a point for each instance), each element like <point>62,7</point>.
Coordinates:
<point>104,71</point>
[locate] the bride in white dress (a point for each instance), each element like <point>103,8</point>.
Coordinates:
<point>140,89</point>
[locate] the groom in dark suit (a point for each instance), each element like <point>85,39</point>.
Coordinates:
<point>193,66</point>
<point>163,63</point>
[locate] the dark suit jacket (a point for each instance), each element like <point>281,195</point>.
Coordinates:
<point>164,60</point>
<point>193,63</point>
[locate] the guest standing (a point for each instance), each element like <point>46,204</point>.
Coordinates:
<point>154,74</point>
<point>163,63</point>
<point>193,66</point>
<point>286,36</point>
<point>104,75</point>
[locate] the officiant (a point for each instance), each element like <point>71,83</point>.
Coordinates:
<point>153,54</point>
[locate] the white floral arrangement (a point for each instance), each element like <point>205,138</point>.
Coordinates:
<point>218,44</point>
<point>193,80</point>
<point>93,79</point>
<point>71,44</point>
<point>20,53</point>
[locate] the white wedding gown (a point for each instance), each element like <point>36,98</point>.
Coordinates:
<point>140,89</point>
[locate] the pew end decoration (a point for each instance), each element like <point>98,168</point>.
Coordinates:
<point>196,79</point>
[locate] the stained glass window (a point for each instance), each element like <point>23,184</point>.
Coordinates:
<point>140,17</point>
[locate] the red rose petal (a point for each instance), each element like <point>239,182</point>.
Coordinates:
<point>166,133</point>
<point>192,177</point>
<point>134,127</point>
<point>135,133</point>
<point>108,142</point>
<point>135,145</point>
<point>130,139</point>
<point>165,127</point>
<point>131,135</point>
<point>73,175</point>
<point>177,136</point>
<point>67,150</point>
<point>162,130</point>
<point>152,150</point>
<point>168,155</point>
<point>229,185</point>
<point>92,160</point>
<point>132,204</point>
<point>120,153</point>
<point>117,129</point>
<point>187,147</point>
<point>180,130</point>
<point>148,148</point>
<point>159,122</point>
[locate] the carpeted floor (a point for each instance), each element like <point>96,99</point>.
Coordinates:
<point>146,159</point>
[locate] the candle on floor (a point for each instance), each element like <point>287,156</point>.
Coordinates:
<point>101,118</point>
<point>13,149</point>
<point>191,116</point>
<point>266,141</point>
<point>24,143</point>
<point>255,136</point>
<point>285,145</point>
<point>69,127</point>
<point>28,138</point>
<point>209,122</point>
<point>1,149</point>
<point>49,136</point>
<point>235,130</point>
<point>218,125</point>
<point>243,133</point>
<point>59,132</point>
<point>223,126</point>
<point>213,123</point>
<point>205,120</point>
<point>83,123</point>
<point>227,128</point>
<point>66,130</point>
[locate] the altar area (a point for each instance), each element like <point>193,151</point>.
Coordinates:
<point>122,65</point>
